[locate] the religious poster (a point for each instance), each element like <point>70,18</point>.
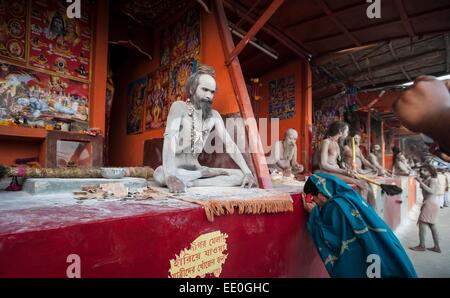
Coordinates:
<point>135,105</point>
<point>184,53</point>
<point>180,72</point>
<point>58,43</point>
<point>156,100</point>
<point>37,99</point>
<point>205,256</point>
<point>180,54</point>
<point>13,28</point>
<point>330,110</point>
<point>282,98</point>
<point>182,40</point>
<point>165,47</point>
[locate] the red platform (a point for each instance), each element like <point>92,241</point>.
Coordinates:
<point>131,239</point>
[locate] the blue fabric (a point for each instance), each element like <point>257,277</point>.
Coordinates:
<point>346,231</point>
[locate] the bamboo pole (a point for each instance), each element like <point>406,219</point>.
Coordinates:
<point>81,172</point>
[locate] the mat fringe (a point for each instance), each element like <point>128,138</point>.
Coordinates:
<point>251,206</point>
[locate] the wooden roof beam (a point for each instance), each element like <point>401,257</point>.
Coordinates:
<point>361,30</point>
<point>239,23</point>
<point>294,45</point>
<point>341,27</point>
<point>255,28</point>
<point>328,73</point>
<point>322,17</point>
<point>339,70</point>
<point>323,59</point>
<point>258,56</point>
<point>359,69</point>
<point>388,65</point>
<point>394,55</point>
<point>404,16</point>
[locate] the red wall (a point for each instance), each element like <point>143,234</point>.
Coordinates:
<point>10,150</point>
<point>303,104</point>
<point>128,150</point>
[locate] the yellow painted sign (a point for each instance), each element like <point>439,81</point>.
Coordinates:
<point>204,256</point>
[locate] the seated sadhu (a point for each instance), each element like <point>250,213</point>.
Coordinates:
<point>348,234</point>
<point>374,158</point>
<point>330,155</point>
<point>361,164</point>
<point>283,156</point>
<point>401,166</point>
<point>189,125</point>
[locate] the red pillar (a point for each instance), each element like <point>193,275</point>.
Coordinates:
<point>99,68</point>
<point>306,117</point>
<point>243,99</point>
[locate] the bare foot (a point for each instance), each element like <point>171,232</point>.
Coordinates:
<point>208,172</point>
<point>418,248</point>
<point>435,249</point>
<point>175,185</point>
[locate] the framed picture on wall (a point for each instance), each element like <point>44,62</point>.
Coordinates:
<point>282,98</point>
<point>13,30</point>
<point>60,44</point>
<point>156,100</point>
<point>135,105</point>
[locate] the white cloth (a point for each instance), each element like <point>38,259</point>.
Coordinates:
<point>442,184</point>
<point>447,175</point>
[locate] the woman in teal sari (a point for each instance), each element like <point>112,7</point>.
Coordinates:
<point>350,237</point>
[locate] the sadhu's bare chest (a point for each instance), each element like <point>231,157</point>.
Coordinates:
<point>195,130</point>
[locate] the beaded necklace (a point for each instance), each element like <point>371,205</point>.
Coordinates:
<point>196,132</point>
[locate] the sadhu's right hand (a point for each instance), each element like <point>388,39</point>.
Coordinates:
<point>175,184</point>
<point>350,173</point>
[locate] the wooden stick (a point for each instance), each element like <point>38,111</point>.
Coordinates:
<point>359,176</point>
<point>81,172</point>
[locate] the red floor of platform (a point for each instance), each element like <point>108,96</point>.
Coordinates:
<point>138,240</point>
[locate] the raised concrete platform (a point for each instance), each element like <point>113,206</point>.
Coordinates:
<point>128,238</point>
<point>58,185</point>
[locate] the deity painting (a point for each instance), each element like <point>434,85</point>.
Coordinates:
<point>13,24</point>
<point>56,28</point>
<point>178,41</point>
<point>182,40</point>
<point>165,47</point>
<point>180,73</point>
<point>32,97</point>
<point>59,44</point>
<point>135,107</point>
<point>155,102</point>
<point>282,98</point>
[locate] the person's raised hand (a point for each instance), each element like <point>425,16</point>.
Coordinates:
<point>419,107</point>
